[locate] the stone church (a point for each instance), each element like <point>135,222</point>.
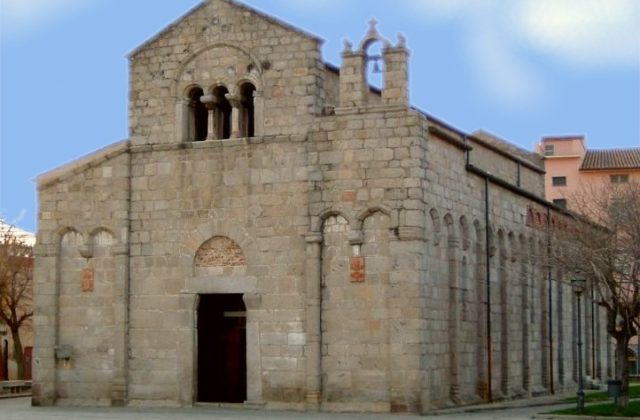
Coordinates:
<point>279,234</point>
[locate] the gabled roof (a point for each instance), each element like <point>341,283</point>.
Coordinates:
<point>82,163</point>
<point>233,3</point>
<point>612,159</point>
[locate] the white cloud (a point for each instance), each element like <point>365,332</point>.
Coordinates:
<point>503,37</point>
<point>19,16</point>
<point>504,76</point>
<point>439,9</point>
<point>592,33</point>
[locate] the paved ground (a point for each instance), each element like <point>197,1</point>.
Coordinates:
<point>20,409</point>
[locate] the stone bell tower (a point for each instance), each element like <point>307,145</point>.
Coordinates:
<point>354,86</point>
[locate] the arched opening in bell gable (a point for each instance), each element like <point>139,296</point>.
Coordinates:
<point>374,65</point>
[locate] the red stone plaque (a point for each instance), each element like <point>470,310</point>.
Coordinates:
<point>87,279</point>
<point>357,269</point>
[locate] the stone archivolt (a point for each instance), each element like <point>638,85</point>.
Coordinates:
<point>220,251</point>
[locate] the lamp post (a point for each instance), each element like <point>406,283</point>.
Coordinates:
<point>578,284</point>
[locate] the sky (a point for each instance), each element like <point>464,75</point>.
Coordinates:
<point>521,69</point>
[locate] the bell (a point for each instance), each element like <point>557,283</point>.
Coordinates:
<point>376,67</point>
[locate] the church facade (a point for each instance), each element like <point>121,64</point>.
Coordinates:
<point>276,233</point>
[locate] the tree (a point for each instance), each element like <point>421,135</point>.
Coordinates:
<point>16,273</point>
<point>602,244</point>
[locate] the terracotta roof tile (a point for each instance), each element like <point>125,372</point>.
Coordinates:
<point>612,159</point>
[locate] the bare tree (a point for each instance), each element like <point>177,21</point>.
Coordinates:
<point>603,246</point>
<point>16,271</point>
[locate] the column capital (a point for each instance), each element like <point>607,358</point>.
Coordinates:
<point>356,237</point>
<point>313,237</point>
<point>210,101</point>
<point>234,99</point>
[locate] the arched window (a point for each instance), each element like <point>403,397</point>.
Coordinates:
<point>223,113</point>
<point>197,115</point>
<point>247,110</point>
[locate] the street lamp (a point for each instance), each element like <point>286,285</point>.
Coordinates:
<point>578,283</point>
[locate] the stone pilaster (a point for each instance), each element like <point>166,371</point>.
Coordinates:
<point>119,385</point>
<point>186,336</point>
<point>182,119</point>
<point>258,113</point>
<point>312,327</point>
<point>45,321</point>
<point>524,321</point>
<point>454,319</point>
<point>253,303</point>
<point>504,322</point>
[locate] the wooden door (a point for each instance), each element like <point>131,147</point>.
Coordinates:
<point>222,371</point>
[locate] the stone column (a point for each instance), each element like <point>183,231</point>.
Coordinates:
<point>211,102</point>
<point>236,103</point>
<point>46,280</point>
<point>253,303</point>
<point>454,319</point>
<point>312,326</point>
<point>119,385</point>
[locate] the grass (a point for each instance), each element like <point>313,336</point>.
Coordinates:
<point>634,392</point>
<point>604,410</point>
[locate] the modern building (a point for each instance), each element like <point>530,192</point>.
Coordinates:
<point>570,166</point>
<point>276,233</point>
<point>8,365</point>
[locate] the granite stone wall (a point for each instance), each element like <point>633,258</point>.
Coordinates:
<point>387,262</point>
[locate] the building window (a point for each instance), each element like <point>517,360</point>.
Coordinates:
<point>619,179</point>
<point>549,149</point>
<point>247,110</point>
<point>560,202</point>
<point>222,116</point>
<point>197,116</point>
<point>559,181</point>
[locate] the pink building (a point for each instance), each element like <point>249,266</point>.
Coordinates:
<point>570,164</point>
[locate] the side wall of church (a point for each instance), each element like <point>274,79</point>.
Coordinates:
<point>79,282</point>
<point>532,307</point>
